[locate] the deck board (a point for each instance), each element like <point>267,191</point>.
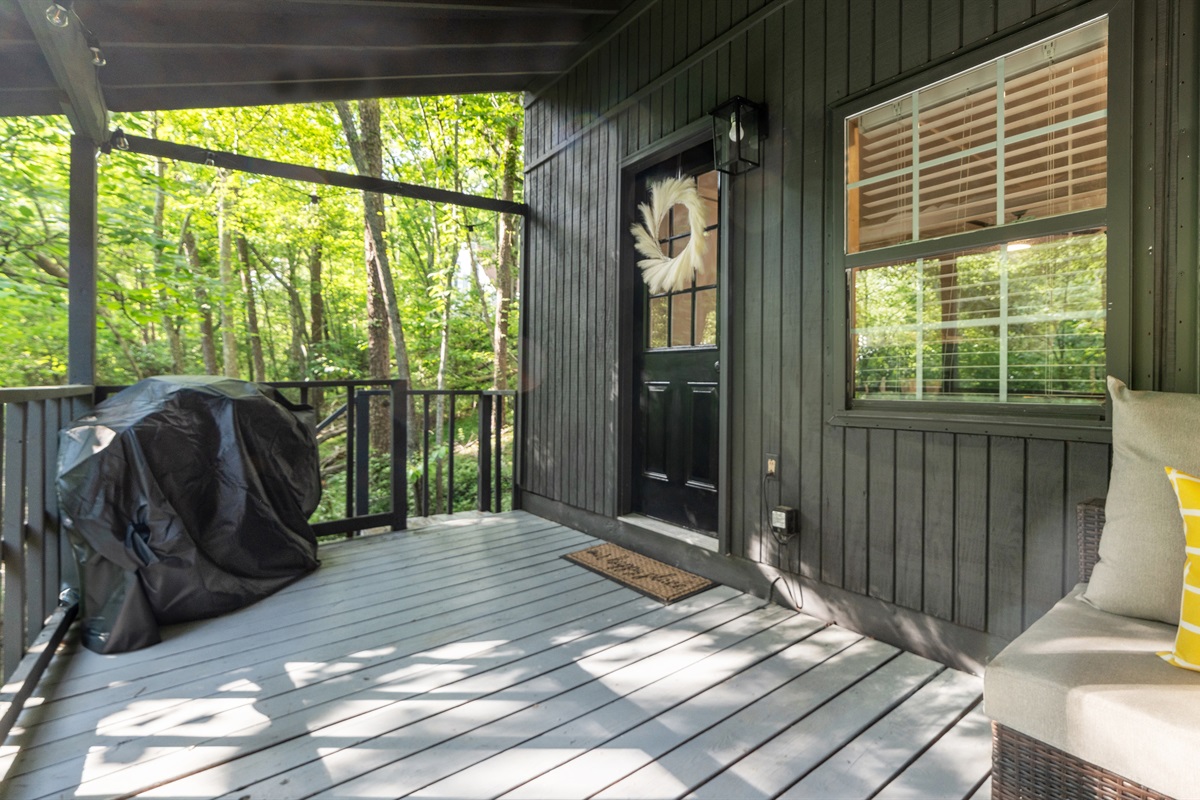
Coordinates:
<point>470,660</point>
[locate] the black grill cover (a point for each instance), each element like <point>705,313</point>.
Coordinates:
<point>185,498</point>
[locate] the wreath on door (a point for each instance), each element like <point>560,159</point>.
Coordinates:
<point>661,272</point>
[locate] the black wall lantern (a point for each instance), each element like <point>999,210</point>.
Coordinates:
<point>739,126</point>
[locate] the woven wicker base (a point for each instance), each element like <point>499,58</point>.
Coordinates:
<point>1024,768</point>
<point>652,578</point>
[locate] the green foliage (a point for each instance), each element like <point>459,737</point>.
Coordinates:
<point>163,297</point>
<point>154,300</point>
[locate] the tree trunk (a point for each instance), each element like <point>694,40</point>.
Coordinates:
<point>299,327</point>
<point>172,324</point>
<point>485,311</point>
<point>256,350</point>
<point>506,267</point>
<point>299,350</point>
<point>316,316</point>
<point>225,261</point>
<point>367,150</point>
<point>208,345</point>
<point>443,358</point>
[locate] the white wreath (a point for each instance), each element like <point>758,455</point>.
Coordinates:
<point>661,272</point>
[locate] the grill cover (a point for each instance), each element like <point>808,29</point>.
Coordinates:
<point>184,498</point>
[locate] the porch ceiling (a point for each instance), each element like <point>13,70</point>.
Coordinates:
<point>207,53</point>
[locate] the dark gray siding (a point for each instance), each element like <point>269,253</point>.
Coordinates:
<point>972,529</point>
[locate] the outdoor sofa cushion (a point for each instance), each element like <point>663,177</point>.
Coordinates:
<point>1091,684</point>
<point>1140,573</point>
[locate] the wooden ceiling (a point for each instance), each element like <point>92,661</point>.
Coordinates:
<point>164,54</point>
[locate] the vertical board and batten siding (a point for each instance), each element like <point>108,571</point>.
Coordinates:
<point>971,529</point>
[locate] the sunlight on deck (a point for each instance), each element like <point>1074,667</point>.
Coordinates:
<point>514,674</point>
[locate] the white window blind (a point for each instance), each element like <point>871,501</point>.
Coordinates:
<point>1023,137</point>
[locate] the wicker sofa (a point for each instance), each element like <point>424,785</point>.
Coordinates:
<point>1082,707</point>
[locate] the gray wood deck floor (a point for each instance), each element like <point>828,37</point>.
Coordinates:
<point>468,660</point>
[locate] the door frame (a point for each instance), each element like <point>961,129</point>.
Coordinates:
<point>690,136</point>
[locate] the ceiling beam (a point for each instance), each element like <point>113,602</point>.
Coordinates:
<point>66,52</point>
<point>265,94</point>
<point>588,7</point>
<point>323,177</point>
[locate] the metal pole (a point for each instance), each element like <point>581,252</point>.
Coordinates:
<point>485,453</point>
<point>350,415</point>
<point>450,451</point>
<point>399,455</point>
<point>425,456</point>
<point>362,455</point>
<point>497,471</point>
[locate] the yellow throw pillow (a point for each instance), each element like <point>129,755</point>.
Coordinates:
<point>1187,640</point>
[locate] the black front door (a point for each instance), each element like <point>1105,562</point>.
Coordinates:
<point>676,367</point>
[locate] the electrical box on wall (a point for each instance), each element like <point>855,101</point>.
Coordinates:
<point>785,520</point>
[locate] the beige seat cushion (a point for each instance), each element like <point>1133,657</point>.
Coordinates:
<point>1090,683</point>
<point>1140,573</point>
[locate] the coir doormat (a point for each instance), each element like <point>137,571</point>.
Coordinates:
<point>652,578</point>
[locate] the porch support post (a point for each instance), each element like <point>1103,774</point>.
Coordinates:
<point>81,287</point>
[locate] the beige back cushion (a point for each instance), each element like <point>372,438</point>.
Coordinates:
<point>1140,573</point>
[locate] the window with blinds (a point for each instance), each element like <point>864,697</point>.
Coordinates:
<point>975,238</point>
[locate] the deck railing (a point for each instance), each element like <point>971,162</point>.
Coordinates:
<point>35,560</point>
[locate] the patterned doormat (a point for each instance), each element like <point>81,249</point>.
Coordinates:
<point>655,579</point>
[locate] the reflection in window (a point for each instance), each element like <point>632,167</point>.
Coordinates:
<point>1021,322</point>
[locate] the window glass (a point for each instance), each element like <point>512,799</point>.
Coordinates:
<point>968,309</point>
<point>1019,322</point>
<point>681,319</point>
<point>659,319</point>
<point>688,317</point>
<point>706,317</point>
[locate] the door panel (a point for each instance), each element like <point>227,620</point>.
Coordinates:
<point>703,461</point>
<point>657,404</point>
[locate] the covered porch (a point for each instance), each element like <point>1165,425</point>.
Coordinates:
<point>469,660</point>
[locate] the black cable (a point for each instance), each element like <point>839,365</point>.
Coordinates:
<point>782,541</point>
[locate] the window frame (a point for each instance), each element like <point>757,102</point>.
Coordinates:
<point>1067,421</point>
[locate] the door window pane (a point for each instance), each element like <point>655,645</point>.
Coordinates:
<point>681,319</point>
<point>658,321</point>
<point>706,317</point>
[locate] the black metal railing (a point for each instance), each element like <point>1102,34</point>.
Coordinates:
<point>35,560</point>
<point>420,464</point>
<point>493,417</point>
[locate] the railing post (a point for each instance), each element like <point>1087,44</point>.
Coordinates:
<point>498,469</point>
<point>362,454</point>
<point>399,455</point>
<point>12,538</point>
<point>350,415</point>
<point>35,519</point>
<point>425,456</point>
<point>485,452</point>
<point>515,485</point>
<point>450,454</point>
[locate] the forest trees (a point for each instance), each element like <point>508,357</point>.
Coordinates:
<point>208,271</point>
